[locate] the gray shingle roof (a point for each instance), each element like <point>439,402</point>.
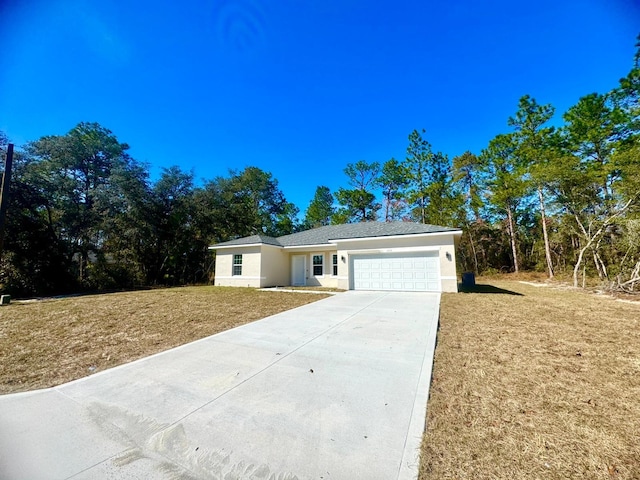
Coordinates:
<point>323,235</point>
<point>253,239</point>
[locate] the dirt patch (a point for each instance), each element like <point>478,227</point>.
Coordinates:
<point>49,342</point>
<point>534,383</point>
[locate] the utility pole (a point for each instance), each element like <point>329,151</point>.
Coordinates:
<point>4,193</point>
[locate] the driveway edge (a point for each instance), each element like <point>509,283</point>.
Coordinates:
<point>410,465</point>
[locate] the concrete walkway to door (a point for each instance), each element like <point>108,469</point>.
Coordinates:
<point>336,389</point>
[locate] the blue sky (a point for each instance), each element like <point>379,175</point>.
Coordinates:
<point>300,88</point>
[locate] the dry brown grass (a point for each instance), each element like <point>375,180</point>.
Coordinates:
<point>543,385</point>
<point>49,342</point>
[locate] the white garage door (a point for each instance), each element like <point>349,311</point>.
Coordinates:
<point>410,272</point>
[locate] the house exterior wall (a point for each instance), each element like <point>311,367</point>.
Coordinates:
<point>448,274</point>
<point>443,244</point>
<point>275,268</point>
<point>268,266</point>
<point>325,280</point>
<point>251,263</point>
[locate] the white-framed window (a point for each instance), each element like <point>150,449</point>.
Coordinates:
<point>237,265</point>
<point>317,262</point>
<point>334,264</point>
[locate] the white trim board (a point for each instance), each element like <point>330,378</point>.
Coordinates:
<point>321,247</point>
<point>394,237</point>
<point>243,246</point>
<point>372,251</point>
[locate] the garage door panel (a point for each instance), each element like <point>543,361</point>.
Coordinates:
<point>412,272</point>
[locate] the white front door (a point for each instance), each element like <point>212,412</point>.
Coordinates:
<point>298,270</point>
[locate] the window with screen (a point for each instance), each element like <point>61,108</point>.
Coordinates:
<point>237,265</point>
<point>318,265</point>
<point>334,265</point>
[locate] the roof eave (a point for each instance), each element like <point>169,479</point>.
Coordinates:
<point>401,235</point>
<point>243,245</point>
<point>309,247</point>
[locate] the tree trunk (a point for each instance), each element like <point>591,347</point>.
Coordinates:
<point>635,278</point>
<point>81,266</point>
<point>592,238</point>
<point>387,208</point>
<point>576,268</point>
<point>547,248</point>
<point>602,266</point>
<point>512,235</point>
<point>597,264</point>
<point>473,250</point>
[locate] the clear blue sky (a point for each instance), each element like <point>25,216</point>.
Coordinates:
<point>300,88</point>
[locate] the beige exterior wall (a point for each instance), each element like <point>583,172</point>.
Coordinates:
<point>448,274</point>
<point>275,268</point>
<point>268,266</point>
<point>250,277</point>
<point>325,280</point>
<point>443,244</point>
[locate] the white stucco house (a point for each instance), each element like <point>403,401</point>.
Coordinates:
<point>395,256</point>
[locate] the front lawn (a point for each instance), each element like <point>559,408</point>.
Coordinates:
<point>534,382</point>
<point>48,342</point>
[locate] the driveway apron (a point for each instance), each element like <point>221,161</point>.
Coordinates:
<point>336,389</point>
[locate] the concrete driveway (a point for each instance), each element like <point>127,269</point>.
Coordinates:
<point>332,390</point>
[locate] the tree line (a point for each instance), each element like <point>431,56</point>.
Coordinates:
<point>538,197</point>
<point>84,214</point>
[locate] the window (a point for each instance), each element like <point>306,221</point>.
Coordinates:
<point>334,264</point>
<point>318,267</point>
<point>237,265</point>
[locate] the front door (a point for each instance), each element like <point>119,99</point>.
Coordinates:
<point>298,270</point>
